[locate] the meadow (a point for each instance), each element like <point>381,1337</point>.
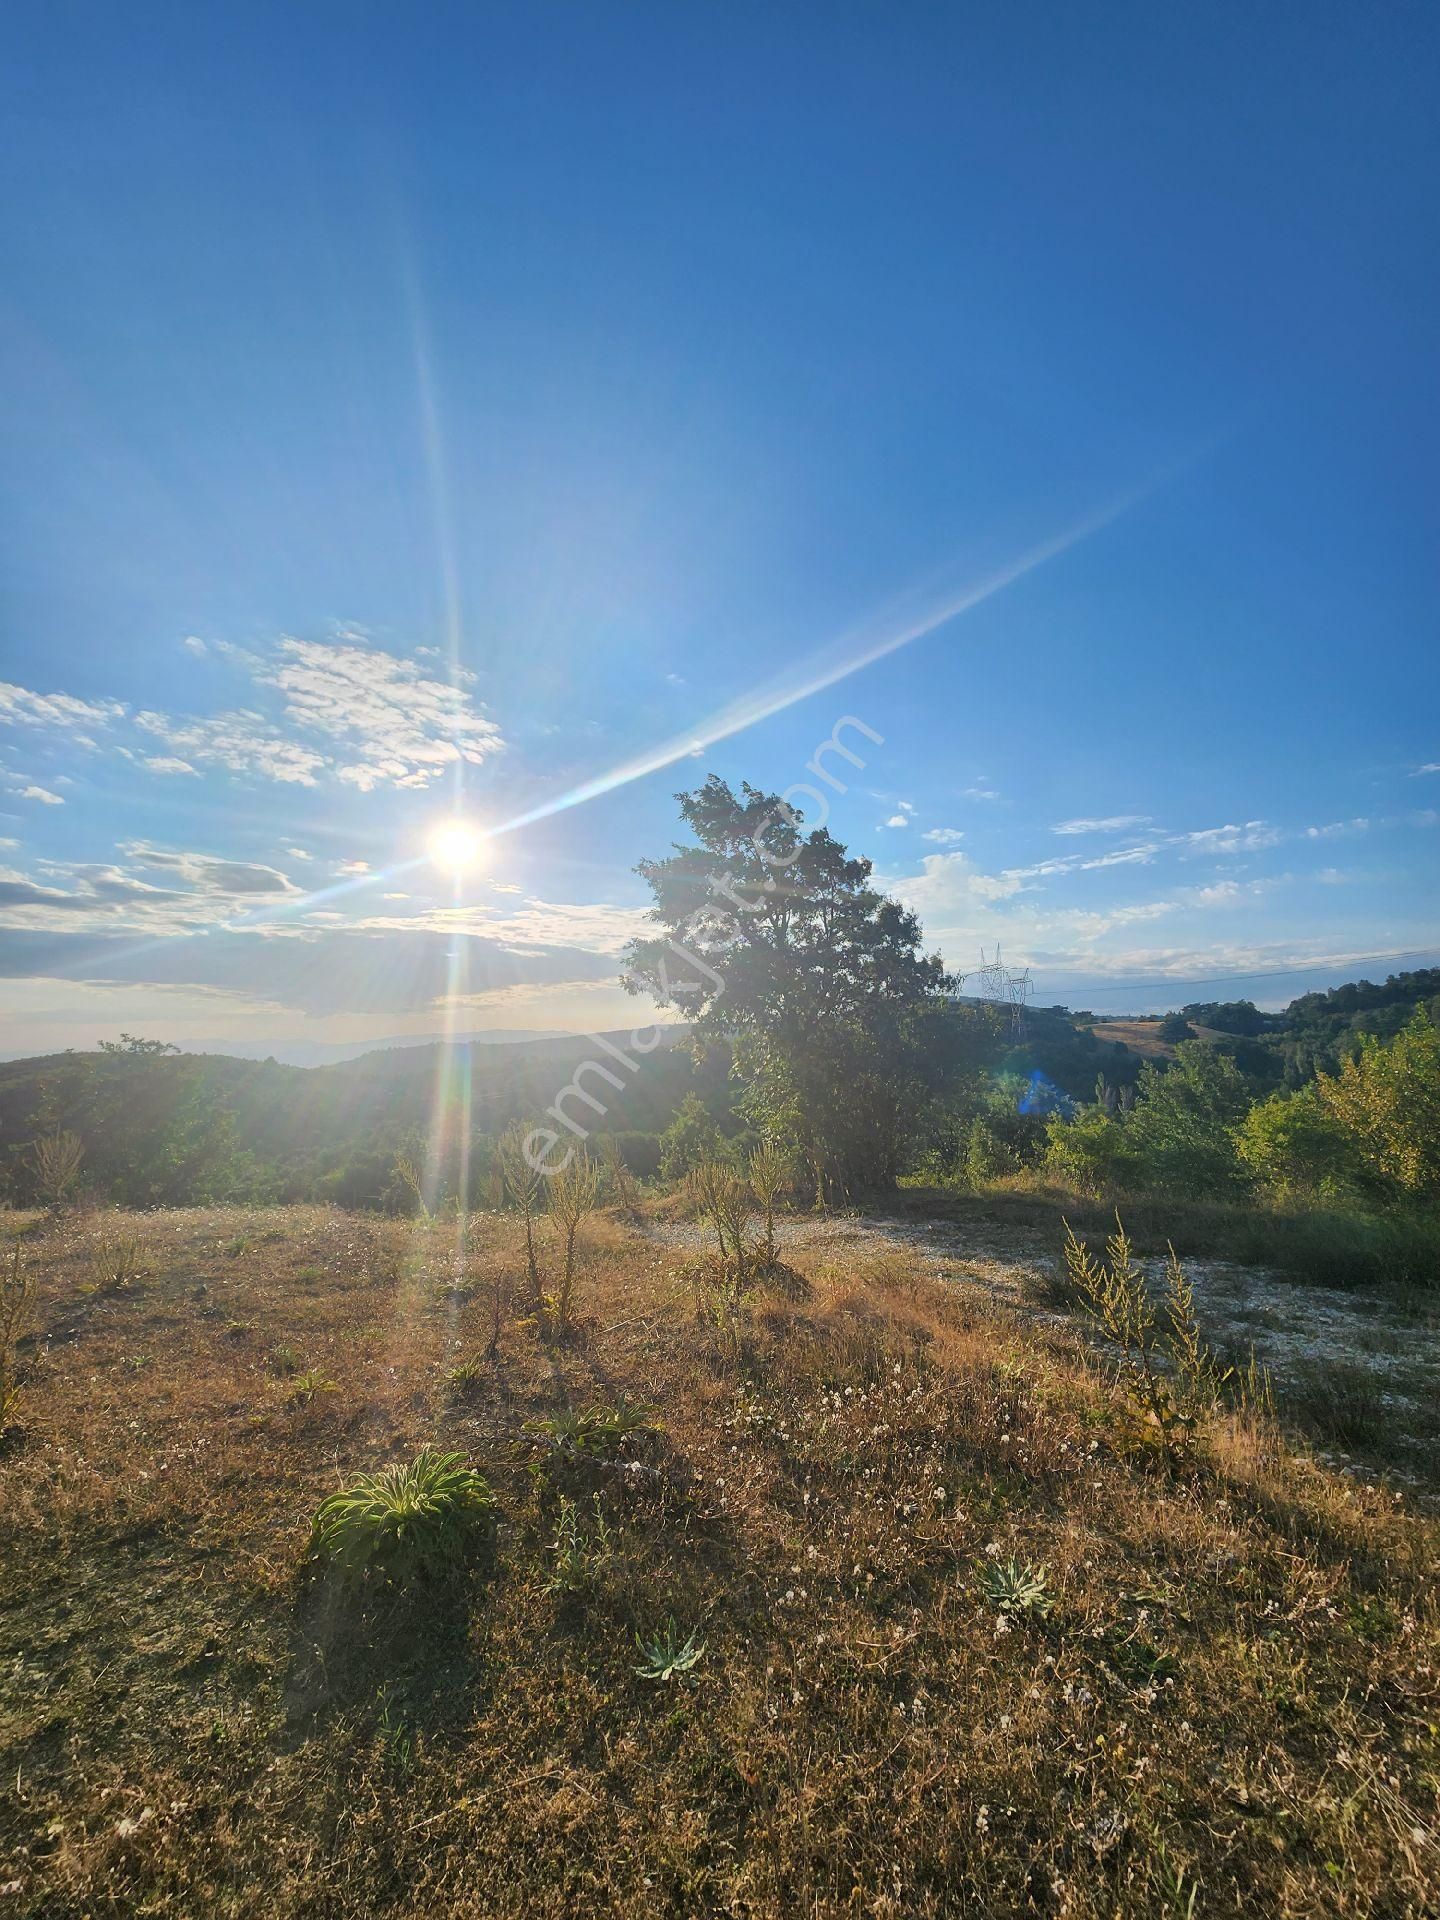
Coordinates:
<point>850,1591</point>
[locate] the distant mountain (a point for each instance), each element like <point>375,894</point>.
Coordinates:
<point>186,1128</point>
<point>318,1053</point>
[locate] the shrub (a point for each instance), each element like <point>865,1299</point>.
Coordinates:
<point>1293,1144</point>
<point>1387,1098</point>
<point>410,1522</point>
<point>1183,1124</point>
<point>690,1137</point>
<point>1089,1153</point>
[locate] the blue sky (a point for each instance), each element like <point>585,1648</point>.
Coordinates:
<point>419,408</point>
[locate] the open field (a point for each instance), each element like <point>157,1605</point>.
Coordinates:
<point>1226,1697</point>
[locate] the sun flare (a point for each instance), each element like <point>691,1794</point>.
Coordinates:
<point>455,845</point>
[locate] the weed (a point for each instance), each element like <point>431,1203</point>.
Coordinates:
<point>579,1556</point>
<point>410,1522</point>
<point>409,1176</point>
<point>308,1387</point>
<point>117,1260</point>
<point>1017,1589</point>
<point>664,1654</point>
<point>571,1194</point>
<point>1169,1380</point>
<point>1341,1402</point>
<point>54,1165</point>
<point>593,1433</point>
<point>285,1361</point>
<point>17,1311</point>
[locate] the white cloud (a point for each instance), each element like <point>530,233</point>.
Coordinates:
<point>895,820</point>
<point>166,763</point>
<point>194,644</point>
<point>298,853</point>
<point>43,795</point>
<point>979,792</point>
<point>1123,857</point>
<point>406,728</point>
<point>20,707</point>
<point>1252,837</point>
<point>1113,823</point>
<point>950,882</point>
<point>1338,830</point>
<point>243,742</point>
<point>943,836</point>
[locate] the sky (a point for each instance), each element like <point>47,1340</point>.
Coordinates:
<point>522,412</point>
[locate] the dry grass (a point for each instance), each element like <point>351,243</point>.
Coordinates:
<point>1235,1691</point>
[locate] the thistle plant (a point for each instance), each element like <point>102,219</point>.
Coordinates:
<point>305,1388</point>
<point>664,1654</point>
<point>1169,1378</point>
<point>17,1311</point>
<point>617,1174</point>
<point>54,1164</point>
<point>570,1195</point>
<point>522,1183</point>
<point>409,1176</point>
<point>411,1522</point>
<point>116,1259</point>
<point>769,1172</point>
<point>719,1193</point>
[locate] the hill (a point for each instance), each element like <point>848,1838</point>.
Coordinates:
<point>171,1128</point>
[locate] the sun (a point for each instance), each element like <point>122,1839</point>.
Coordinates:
<point>455,845</point>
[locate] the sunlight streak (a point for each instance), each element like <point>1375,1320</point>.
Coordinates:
<point>830,664</point>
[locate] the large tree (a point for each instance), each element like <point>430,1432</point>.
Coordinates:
<point>773,939</point>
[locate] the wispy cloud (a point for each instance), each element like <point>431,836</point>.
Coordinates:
<point>241,742</point>
<point>943,836</point>
<point>1112,823</point>
<point>405,727</point>
<point>43,794</point>
<point>20,707</point>
<point>208,872</point>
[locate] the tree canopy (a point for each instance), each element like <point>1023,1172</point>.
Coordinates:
<point>773,938</point>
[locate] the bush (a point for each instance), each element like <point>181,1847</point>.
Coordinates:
<point>1183,1125</point>
<point>1387,1098</point>
<point>1295,1145</point>
<point>1089,1153</point>
<point>410,1522</point>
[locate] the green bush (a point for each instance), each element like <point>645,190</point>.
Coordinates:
<point>1294,1145</point>
<point>410,1522</point>
<point>1089,1153</point>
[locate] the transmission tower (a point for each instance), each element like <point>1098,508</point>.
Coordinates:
<point>1005,987</point>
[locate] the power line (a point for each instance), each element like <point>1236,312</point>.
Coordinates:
<point>1273,973</point>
